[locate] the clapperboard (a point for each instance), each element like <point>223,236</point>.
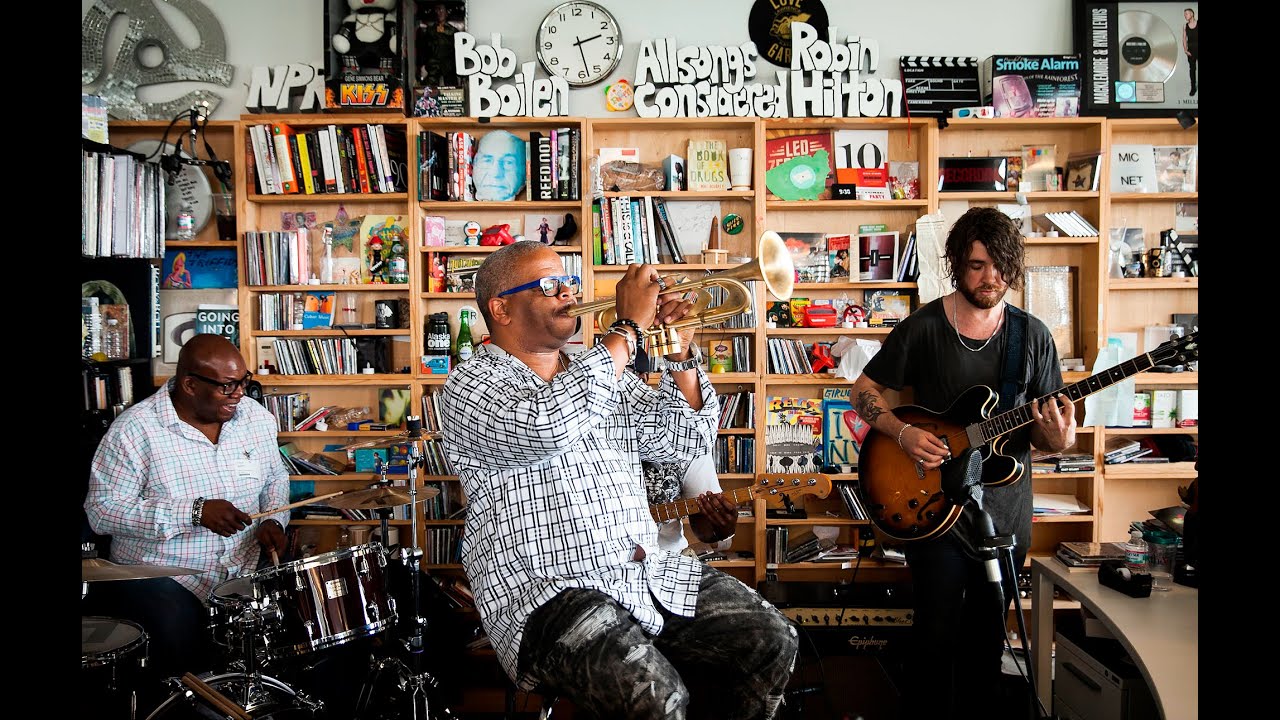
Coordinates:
<point>937,85</point>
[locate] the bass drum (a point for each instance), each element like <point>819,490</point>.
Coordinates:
<point>262,697</point>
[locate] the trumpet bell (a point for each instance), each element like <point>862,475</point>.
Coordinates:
<point>774,265</point>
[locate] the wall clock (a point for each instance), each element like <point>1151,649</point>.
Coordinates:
<point>580,42</point>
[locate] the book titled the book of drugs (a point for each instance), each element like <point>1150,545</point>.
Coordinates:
<point>708,165</point>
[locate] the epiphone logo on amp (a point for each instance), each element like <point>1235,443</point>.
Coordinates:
<point>859,642</point>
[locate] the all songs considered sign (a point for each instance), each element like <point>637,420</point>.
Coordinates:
<point>1139,58</point>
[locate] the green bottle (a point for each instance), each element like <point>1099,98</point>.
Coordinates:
<point>465,347</point>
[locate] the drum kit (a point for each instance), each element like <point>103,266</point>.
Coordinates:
<point>270,619</point>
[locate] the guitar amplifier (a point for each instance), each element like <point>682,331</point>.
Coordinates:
<point>846,619</point>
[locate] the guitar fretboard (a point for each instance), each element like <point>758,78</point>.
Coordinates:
<point>689,506</point>
<point>1019,416</point>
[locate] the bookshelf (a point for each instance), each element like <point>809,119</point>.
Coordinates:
<point>1102,305</point>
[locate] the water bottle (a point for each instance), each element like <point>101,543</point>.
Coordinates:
<point>186,221</point>
<point>1135,552</point>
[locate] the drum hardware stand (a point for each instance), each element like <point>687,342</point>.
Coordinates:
<point>415,679</point>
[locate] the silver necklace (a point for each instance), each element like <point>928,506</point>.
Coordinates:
<point>955,325</point>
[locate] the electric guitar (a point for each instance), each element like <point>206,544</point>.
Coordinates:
<point>906,502</point>
<point>772,487</point>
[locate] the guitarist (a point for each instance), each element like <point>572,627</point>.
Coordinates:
<point>944,348</point>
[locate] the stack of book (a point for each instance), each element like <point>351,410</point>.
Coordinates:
<point>1083,554</point>
<point>1124,451</point>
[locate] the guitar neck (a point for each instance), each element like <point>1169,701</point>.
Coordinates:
<point>992,428</point>
<point>689,506</point>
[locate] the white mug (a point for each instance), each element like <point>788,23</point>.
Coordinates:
<point>740,168</point>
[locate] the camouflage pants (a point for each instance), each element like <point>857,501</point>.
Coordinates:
<point>731,661</point>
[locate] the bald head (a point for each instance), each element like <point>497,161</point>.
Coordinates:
<point>208,355</point>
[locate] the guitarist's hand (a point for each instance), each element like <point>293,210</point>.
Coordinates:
<point>925,448</point>
<point>1054,428</point>
<point>718,519</point>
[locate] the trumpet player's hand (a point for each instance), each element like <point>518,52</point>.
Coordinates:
<point>636,297</point>
<point>672,308</point>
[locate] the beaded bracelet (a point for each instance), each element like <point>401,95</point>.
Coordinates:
<point>631,324</point>
<point>197,511</point>
<point>904,429</point>
<point>631,343</point>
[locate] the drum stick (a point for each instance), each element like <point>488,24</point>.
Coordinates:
<point>275,559</point>
<point>217,699</point>
<point>300,503</point>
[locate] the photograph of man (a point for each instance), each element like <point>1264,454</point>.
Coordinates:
<point>498,167</point>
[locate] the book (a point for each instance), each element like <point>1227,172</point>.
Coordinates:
<point>708,166</point>
<point>1133,168</point>
<point>199,268</point>
<point>877,256</point>
<point>793,433</point>
<point>843,430</point>
<point>317,309</point>
<point>1175,168</point>
<point>1094,552</point>
<point>216,319</point>
<point>719,355</point>
<point>289,172</point>
<point>1082,171</point>
<point>809,255</point>
<point>433,168</point>
<point>854,149</point>
<point>886,308</point>
<point>838,258</point>
<point>799,167</point>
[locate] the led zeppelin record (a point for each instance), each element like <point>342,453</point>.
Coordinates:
<point>1147,47</point>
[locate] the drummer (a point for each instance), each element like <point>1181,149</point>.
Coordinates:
<point>173,483</point>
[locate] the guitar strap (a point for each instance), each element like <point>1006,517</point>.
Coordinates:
<point>1015,358</point>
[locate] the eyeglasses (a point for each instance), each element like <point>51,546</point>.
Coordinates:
<point>227,388</point>
<point>549,285</point>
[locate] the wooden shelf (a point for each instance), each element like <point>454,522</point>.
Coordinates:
<point>329,198</point>
<point>363,287</point>
<point>1137,431</point>
<point>780,205</point>
<point>293,380</point>
<point>344,521</point>
<point>1170,283</point>
<point>1117,198</point>
<point>1063,518</point>
<point>1178,470</point>
<point>437,207</point>
<point>325,332</point>
<point>184,244</point>
<point>483,249</point>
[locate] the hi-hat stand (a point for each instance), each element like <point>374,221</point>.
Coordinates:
<point>416,685</point>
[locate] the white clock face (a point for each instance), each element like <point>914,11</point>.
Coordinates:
<point>580,42</point>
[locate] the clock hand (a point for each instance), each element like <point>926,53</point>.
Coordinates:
<point>578,45</point>
<point>593,37</point>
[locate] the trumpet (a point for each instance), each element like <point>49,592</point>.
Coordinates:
<point>772,265</point>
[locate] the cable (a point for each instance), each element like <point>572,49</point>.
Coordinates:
<point>1028,675</point>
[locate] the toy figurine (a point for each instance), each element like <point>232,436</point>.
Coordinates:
<point>496,235</point>
<point>366,38</point>
<point>377,267</point>
<point>822,359</point>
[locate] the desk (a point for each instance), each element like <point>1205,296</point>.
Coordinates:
<point>1160,633</point>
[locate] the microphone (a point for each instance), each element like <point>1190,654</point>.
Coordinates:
<point>990,550</point>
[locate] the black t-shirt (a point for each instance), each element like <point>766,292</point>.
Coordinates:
<point>924,353</point>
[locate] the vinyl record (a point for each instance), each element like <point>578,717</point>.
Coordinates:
<point>191,184</point>
<point>1148,49</point>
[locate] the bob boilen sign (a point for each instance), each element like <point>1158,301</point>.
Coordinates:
<point>524,96</point>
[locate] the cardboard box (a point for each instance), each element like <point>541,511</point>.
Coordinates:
<point>1164,408</point>
<point>1032,85</point>
<point>1188,408</point>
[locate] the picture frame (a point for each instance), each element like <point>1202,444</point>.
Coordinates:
<point>877,256</point>
<point>1161,83</point>
<point>1083,170</point>
<point>435,88</point>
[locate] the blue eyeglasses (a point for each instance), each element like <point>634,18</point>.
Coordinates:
<point>549,285</point>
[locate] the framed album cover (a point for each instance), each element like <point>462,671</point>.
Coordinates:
<point>1139,58</point>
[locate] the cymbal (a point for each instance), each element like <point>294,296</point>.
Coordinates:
<point>375,498</point>
<point>388,441</point>
<point>97,569</point>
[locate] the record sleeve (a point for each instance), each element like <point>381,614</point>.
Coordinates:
<point>1139,59</point>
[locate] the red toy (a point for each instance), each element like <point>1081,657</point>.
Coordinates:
<point>819,316</point>
<point>822,359</point>
<point>497,235</point>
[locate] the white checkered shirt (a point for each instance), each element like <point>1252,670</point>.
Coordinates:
<point>151,466</point>
<point>552,477</point>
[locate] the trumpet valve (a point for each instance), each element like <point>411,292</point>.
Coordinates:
<point>665,340</point>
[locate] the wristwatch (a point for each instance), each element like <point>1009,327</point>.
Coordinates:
<point>692,363</point>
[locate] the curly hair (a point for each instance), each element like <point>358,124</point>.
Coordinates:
<point>1001,236</point>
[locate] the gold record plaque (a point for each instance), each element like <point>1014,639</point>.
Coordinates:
<point>1147,48</point>
<point>769,26</point>
<point>1139,58</point>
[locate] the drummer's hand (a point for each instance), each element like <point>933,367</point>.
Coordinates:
<point>271,536</point>
<point>224,518</point>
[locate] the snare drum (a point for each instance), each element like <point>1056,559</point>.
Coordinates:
<point>328,600</point>
<point>112,655</point>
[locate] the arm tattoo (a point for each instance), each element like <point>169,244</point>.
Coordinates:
<point>866,406</point>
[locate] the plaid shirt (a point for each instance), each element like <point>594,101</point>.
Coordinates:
<point>555,493</point>
<point>150,468</point>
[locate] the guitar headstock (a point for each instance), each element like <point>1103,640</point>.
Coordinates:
<point>1178,351</point>
<point>775,486</point>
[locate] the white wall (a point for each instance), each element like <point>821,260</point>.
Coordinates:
<point>274,32</point>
